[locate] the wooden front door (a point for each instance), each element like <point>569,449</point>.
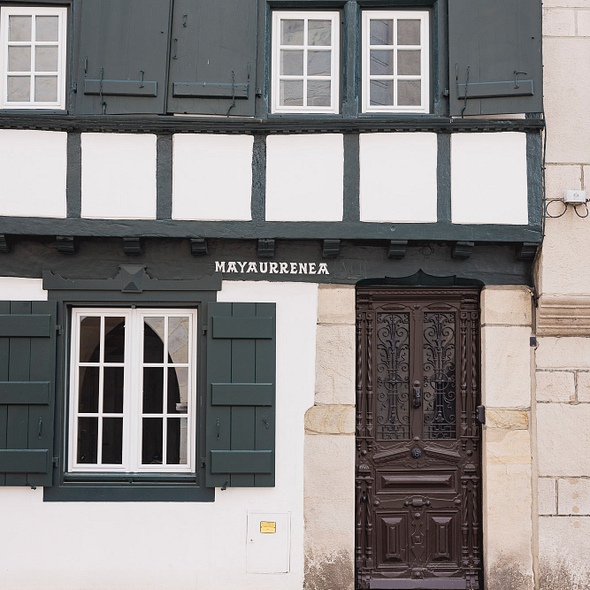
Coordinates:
<point>418,476</point>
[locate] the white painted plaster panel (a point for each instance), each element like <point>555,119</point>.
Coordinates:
<point>17,289</point>
<point>304,177</point>
<point>489,178</point>
<point>33,168</point>
<point>268,546</point>
<point>182,545</point>
<point>398,177</point>
<point>118,176</point>
<point>212,177</point>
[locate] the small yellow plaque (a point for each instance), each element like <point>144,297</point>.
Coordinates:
<point>268,527</point>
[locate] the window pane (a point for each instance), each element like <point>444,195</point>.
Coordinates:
<point>151,447</point>
<point>114,340</point>
<point>381,92</point>
<point>408,63</point>
<point>19,88</point>
<point>178,339</point>
<point>88,390</point>
<point>19,59</point>
<point>292,63</point>
<point>113,390</point>
<point>177,390</point>
<point>291,32</point>
<point>46,88</point>
<point>176,443</point>
<point>19,28</point>
<point>291,93</point>
<point>153,390</point>
<point>408,32</point>
<point>47,28</point>
<point>112,441</point>
<point>153,340</point>
<point>90,340</point>
<point>319,63</point>
<point>320,32</point>
<point>87,440</point>
<point>381,32</point>
<point>46,59</point>
<point>409,92</point>
<point>318,93</point>
<point>382,63</point>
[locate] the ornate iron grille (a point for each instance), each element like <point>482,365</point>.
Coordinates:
<point>439,376</point>
<point>393,376</point>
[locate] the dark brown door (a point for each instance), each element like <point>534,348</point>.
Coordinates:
<point>418,479</point>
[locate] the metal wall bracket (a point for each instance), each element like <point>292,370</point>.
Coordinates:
<point>526,251</point>
<point>266,248</point>
<point>132,246</point>
<point>4,245</point>
<point>198,246</point>
<point>331,248</point>
<point>397,249</point>
<point>66,244</point>
<point>462,250</point>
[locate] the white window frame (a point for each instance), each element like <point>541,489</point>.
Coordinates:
<point>277,17</point>
<point>424,77</point>
<point>61,13</point>
<point>133,386</point>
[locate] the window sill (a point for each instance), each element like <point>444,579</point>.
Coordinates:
<point>133,487</point>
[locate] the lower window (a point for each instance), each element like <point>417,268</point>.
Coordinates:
<point>133,391</point>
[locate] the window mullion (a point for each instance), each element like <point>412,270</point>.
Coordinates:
<point>165,394</point>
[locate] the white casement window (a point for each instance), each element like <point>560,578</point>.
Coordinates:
<point>33,45</point>
<point>396,56</point>
<point>305,62</point>
<point>132,390</point>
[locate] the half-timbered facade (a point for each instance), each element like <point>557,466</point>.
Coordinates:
<point>264,265</point>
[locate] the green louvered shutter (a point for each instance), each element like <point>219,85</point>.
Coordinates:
<point>494,40</point>
<point>213,57</point>
<point>123,56</point>
<point>27,392</point>
<point>241,369</point>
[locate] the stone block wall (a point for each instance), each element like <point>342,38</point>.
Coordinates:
<point>330,447</point>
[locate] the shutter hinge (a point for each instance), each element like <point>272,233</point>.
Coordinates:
<point>481,414</point>
<point>56,461</point>
<point>204,330</point>
<point>58,328</point>
<point>203,462</point>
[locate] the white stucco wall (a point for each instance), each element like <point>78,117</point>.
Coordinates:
<point>181,546</point>
<point>33,172</point>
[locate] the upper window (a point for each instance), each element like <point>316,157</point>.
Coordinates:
<point>396,69</point>
<point>132,387</point>
<point>305,62</point>
<point>33,57</point>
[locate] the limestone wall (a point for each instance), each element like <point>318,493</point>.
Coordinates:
<point>562,358</point>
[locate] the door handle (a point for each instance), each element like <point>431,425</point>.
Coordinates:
<point>417,394</point>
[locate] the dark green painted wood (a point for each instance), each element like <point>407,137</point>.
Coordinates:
<point>266,415</point>
<point>24,393</point>
<point>443,174</point>
<point>351,204</point>
<point>258,203</point>
<point>23,462</point>
<point>164,177</point>
<point>242,394</point>
<point>243,327</point>
<point>74,175</point>
<point>19,366</point>
<point>25,326</point>
<point>27,371</point>
<point>128,42</point>
<point>495,40</point>
<point>241,462</point>
<point>213,44</point>
<point>534,147</point>
<point>4,359</point>
<point>245,355</point>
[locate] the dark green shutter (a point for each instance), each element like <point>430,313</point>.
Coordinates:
<point>27,392</point>
<point>213,57</point>
<point>495,40</point>
<point>241,370</point>
<point>123,56</point>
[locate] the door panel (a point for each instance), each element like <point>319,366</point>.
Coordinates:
<point>418,441</point>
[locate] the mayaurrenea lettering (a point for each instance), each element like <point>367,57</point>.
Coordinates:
<point>272,268</point>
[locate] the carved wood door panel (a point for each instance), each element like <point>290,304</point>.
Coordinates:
<point>418,476</point>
